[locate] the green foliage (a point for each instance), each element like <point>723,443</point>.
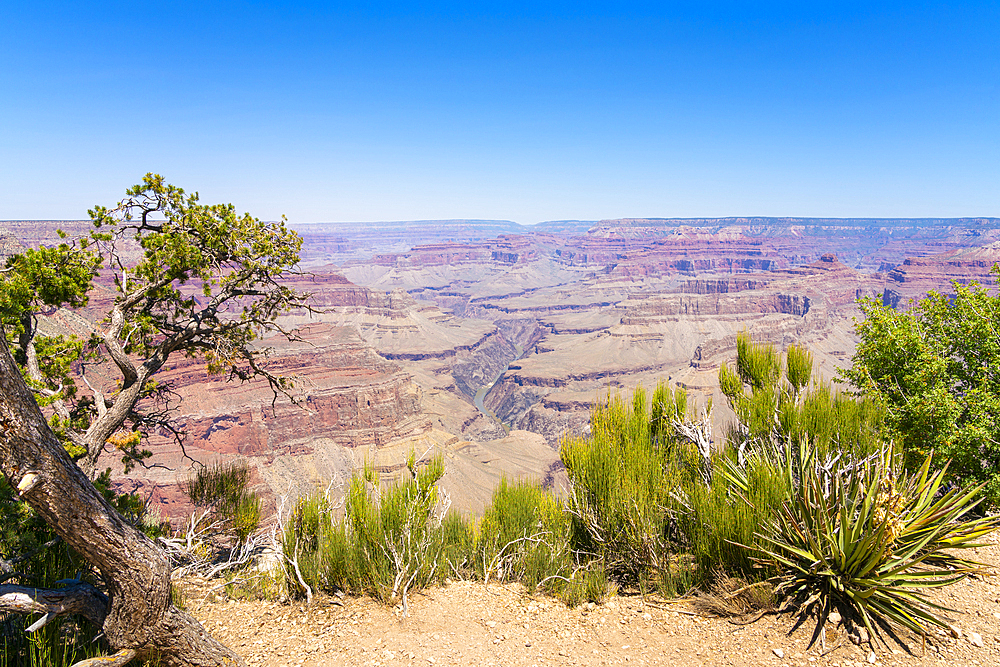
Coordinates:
<point>857,537</point>
<point>231,259</point>
<point>798,367</point>
<point>36,280</point>
<point>394,529</point>
<point>525,535</point>
<point>771,411</point>
<point>391,540</point>
<point>719,519</point>
<point>225,488</point>
<point>622,477</point>
<point>757,364</point>
<point>388,542</point>
<point>44,277</point>
<point>640,503</point>
<point>205,282</point>
<point>805,492</point>
<point>934,368</point>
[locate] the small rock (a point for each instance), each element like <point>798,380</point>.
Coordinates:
<point>491,624</point>
<point>976,639</point>
<point>778,652</point>
<point>834,617</point>
<point>955,631</point>
<point>872,658</point>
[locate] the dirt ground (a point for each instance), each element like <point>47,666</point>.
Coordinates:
<point>467,623</point>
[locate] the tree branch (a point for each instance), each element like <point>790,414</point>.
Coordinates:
<point>80,598</point>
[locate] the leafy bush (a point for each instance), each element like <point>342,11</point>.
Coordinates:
<point>395,531</point>
<point>622,477</point>
<point>652,504</point>
<point>720,519</point>
<point>934,368</point>
<point>774,407</point>
<point>525,535</point>
<point>388,541</point>
<point>225,489</point>
<point>857,537</point>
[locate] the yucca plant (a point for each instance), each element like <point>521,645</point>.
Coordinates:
<point>859,538</point>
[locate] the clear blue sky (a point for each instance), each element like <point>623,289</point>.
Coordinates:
<point>368,111</point>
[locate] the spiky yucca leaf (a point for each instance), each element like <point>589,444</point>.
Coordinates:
<point>858,538</point>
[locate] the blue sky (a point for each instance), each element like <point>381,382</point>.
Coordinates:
<point>540,111</point>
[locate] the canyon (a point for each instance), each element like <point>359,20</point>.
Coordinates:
<point>487,342</point>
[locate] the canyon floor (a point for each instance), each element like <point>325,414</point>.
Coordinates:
<point>467,623</point>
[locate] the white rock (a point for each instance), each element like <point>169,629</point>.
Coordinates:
<point>834,617</point>
<point>976,639</point>
<point>778,652</point>
<point>955,631</point>
<point>872,658</point>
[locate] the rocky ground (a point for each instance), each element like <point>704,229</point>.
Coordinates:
<point>467,623</point>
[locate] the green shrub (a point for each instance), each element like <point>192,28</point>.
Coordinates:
<point>525,535</point>
<point>772,406</point>
<point>388,542</point>
<point>458,536</point>
<point>225,488</point>
<point>933,366</point>
<point>395,532</point>
<point>721,518</point>
<point>622,477</point>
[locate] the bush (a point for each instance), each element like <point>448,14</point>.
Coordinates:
<point>622,477</point>
<point>720,519</point>
<point>388,542</point>
<point>525,535</point>
<point>652,504</point>
<point>934,367</point>
<point>225,489</point>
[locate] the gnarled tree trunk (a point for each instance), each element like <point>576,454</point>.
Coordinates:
<point>139,615</point>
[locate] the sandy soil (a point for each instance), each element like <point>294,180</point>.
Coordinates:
<point>466,623</point>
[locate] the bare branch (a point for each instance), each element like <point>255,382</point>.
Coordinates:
<point>80,598</point>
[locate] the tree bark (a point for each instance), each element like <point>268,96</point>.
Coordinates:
<point>136,571</point>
